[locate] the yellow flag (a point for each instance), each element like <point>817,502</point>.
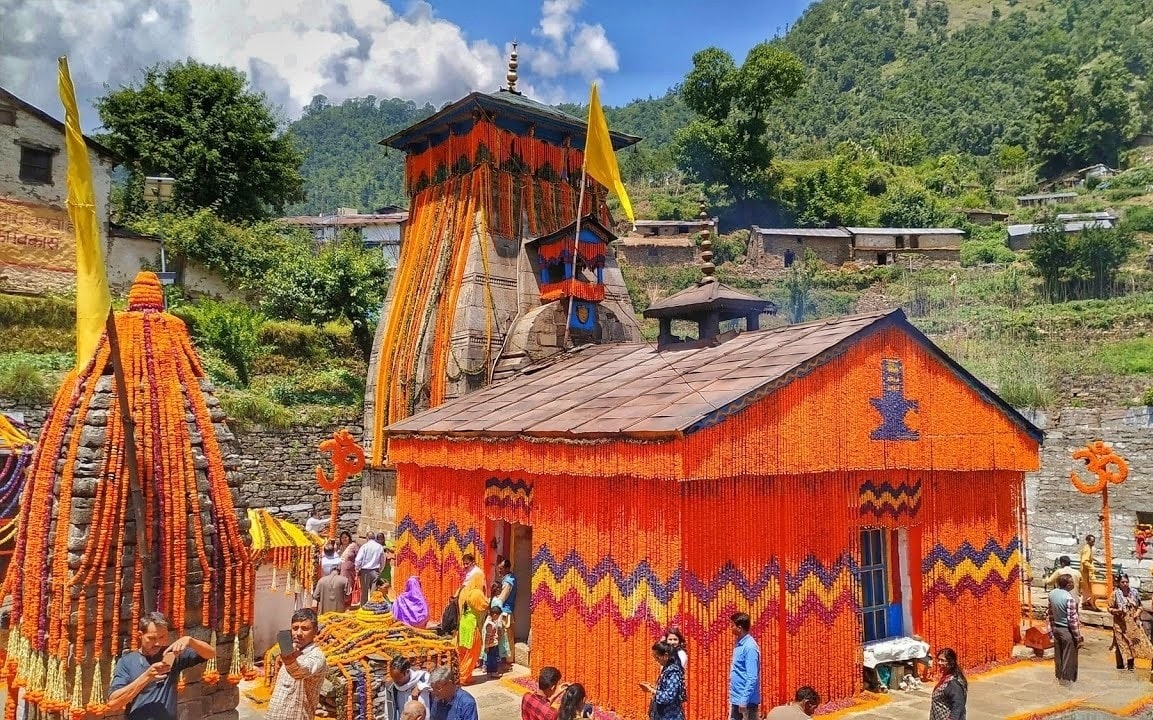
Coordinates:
<point>600,160</point>
<point>93,300</point>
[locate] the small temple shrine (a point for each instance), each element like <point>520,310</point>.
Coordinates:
<point>102,540</point>
<point>499,267</point>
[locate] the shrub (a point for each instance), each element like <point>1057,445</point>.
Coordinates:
<point>985,251</point>
<point>333,386</point>
<point>37,339</point>
<point>249,409</point>
<point>1128,357</point>
<point>294,339</point>
<point>1147,398</point>
<point>49,312</point>
<point>232,330</point>
<point>1138,219</point>
<point>23,383</point>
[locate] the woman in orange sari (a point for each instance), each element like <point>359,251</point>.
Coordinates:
<point>473,604</point>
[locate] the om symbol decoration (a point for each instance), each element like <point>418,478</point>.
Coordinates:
<point>347,458</point>
<point>1108,466</point>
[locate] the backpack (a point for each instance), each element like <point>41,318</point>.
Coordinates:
<point>450,618</point>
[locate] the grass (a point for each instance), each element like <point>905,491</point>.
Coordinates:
<point>1128,357</point>
<point>24,383</point>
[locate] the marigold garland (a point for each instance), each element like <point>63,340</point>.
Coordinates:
<point>47,657</point>
<point>288,548</point>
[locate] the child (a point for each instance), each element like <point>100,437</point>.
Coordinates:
<point>492,640</point>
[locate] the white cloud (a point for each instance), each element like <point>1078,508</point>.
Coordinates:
<point>291,49</point>
<point>569,46</point>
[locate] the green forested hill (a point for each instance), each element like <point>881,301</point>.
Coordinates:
<point>956,75</point>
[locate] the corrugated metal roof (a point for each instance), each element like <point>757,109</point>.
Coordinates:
<point>805,232</point>
<point>1104,215</point>
<point>1076,226</point>
<point>634,390</point>
<point>1048,196</point>
<point>904,231</point>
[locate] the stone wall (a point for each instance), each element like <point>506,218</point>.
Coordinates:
<point>1060,517</point>
<point>278,469</point>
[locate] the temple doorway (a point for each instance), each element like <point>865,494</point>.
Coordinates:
<point>514,541</point>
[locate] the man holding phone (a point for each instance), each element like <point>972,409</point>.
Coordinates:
<point>297,690</point>
<point>144,684</point>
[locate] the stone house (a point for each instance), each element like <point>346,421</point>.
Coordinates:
<point>884,244</point>
<point>978,216</point>
<point>781,247</point>
<point>1040,199</point>
<point>37,248</point>
<point>669,228</point>
<point>1022,237</point>
<point>656,250</point>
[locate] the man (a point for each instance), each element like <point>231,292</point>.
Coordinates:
<point>330,558</point>
<point>297,690</point>
<point>368,559</point>
<point>1088,573</point>
<point>1065,629</point>
<point>413,710</point>
<point>331,593</point>
<point>144,684</point>
<point>408,684</point>
<point>805,703</point>
<point>449,700</point>
<point>745,671</point>
<point>1064,567</point>
<point>314,524</point>
<point>538,704</point>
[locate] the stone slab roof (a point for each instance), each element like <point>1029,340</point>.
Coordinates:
<point>804,232</point>
<point>632,389</point>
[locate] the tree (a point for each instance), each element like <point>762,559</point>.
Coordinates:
<point>1079,265</point>
<point>203,126</point>
<point>726,143</point>
<point>342,281</point>
<point>799,282</point>
<point>907,207</point>
<point>830,195</point>
<point>1080,118</point>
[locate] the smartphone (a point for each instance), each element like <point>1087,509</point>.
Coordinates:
<point>169,659</point>
<point>284,640</point>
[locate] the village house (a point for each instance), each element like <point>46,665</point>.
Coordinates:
<point>884,244</point>
<point>1022,237</point>
<point>984,217</point>
<point>781,247</point>
<point>381,231</point>
<point>661,242</point>
<point>1039,199</point>
<point>37,246</point>
<point>1103,216</point>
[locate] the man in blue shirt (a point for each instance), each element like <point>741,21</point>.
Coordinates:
<point>144,684</point>
<point>745,671</point>
<point>449,700</point>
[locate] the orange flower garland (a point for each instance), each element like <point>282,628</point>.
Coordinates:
<point>47,656</point>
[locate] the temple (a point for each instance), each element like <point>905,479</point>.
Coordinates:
<point>499,269</point>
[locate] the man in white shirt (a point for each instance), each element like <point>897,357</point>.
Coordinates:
<point>368,559</point>
<point>314,524</point>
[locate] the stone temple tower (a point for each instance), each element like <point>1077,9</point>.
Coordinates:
<point>491,270</point>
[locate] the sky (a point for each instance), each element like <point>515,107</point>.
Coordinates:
<point>425,50</point>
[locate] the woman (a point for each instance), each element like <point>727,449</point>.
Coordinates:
<point>669,692</point>
<point>472,606</point>
<point>952,689</point>
<point>572,703</point>
<point>410,607</point>
<point>348,550</point>
<point>1129,640</point>
<point>675,639</point>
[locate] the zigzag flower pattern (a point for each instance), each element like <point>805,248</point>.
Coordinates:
<point>894,500</point>
<point>826,593</point>
<point>425,546</point>
<point>707,591</point>
<point>508,499</point>
<point>968,570</point>
<point>631,600</point>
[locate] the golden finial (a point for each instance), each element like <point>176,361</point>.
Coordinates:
<point>707,268</point>
<point>512,66</point>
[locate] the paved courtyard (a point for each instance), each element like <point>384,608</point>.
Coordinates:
<point>1022,691</point>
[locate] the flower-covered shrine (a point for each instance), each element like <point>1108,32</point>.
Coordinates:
<point>842,481</point>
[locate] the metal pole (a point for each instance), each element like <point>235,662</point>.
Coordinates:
<point>135,492</point>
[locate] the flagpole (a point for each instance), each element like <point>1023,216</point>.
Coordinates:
<point>135,494</point>
<point>576,245</point>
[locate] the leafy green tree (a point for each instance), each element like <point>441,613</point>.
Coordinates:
<point>910,207</point>
<point>1079,265</point>
<point>203,126</point>
<point>830,195</point>
<point>1079,118</point>
<point>342,281</point>
<point>232,331</point>
<point>727,144</point>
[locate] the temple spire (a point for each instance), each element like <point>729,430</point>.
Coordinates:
<point>707,267</point>
<point>512,66</point>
